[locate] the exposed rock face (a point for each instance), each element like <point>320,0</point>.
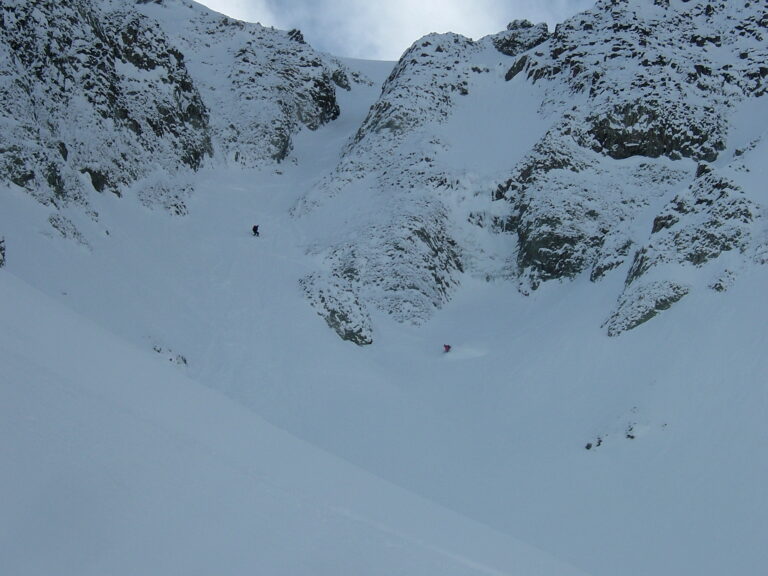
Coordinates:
<point>520,36</point>
<point>90,98</point>
<point>402,258</point>
<point>654,82</point>
<point>332,297</point>
<point>636,94</point>
<point>639,304</point>
<point>2,251</point>
<point>570,211</point>
<point>261,85</point>
<point>105,96</point>
<point>644,92</point>
<point>659,79</point>
<point>711,218</point>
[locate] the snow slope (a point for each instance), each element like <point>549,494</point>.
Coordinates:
<point>496,430</point>
<point>172,403</point>
<point>115,463</point>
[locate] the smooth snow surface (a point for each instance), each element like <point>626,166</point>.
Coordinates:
<point>171,404</point>
<point>114,463</point>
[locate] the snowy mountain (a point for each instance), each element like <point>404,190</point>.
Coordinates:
<point>100,96</point>
<point>579,213</point>
<point>632,101</point>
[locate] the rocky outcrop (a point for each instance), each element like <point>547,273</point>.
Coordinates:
<point>636,94</point>
<point>2,251</point>
<point>109,96</point>
<point>659,79</point>
<point>657,82</point>
<point>402,257</point>
<point>262,85</point>
<point>335,299</point>
<point>89,98</point>
<point>640,303</point>
<point>694,230</point>
<point>570,211</point>
<point>520,36</point>
<point>65,228</point>
<point>406,267</point>
<point>712,217</point>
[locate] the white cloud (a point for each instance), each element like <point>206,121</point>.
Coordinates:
<point>249,10</point>
<point>383,30</point>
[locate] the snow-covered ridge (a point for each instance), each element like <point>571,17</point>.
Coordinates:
<point>261,85</point>
<point>92,101</point>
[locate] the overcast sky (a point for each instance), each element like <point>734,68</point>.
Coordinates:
<point>383,30</point>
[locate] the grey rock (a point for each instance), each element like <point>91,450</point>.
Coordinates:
<point>642,302</point>
<point>647,91</point>
<point>520,36</point>
<point>334,299</point>
<point>711,218</point>
<point>77,108</point>
<point>67,229</point>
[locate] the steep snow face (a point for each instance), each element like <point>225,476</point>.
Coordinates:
<point>119,96</point>
<point>585,134</point>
